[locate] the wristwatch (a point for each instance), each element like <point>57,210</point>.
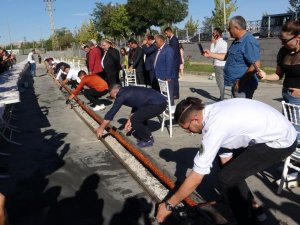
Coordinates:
<point>169,207</point>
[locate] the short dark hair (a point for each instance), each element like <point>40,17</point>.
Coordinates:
<point>81,72</point>
<point>186,107</point>
<point>64,67</point>
<point>132,41</point>
<point>150,37</point>
<point>218,30</point>
<point>292,26</point>
<point>168,29</point>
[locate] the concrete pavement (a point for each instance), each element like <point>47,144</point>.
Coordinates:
<point>60,154</point>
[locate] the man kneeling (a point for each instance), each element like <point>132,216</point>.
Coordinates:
<point>146,103</point>
<point>97,88</point>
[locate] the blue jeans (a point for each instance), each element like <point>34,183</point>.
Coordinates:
<point>287,97</point>
<point>32,69</point>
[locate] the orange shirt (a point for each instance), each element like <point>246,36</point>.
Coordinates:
<point>92,81</point>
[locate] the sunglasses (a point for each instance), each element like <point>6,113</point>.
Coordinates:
<point>285,41</point>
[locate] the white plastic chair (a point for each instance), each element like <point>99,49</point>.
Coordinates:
<point>292,113</point>
<point>169,112</point>
<point>130,77</point>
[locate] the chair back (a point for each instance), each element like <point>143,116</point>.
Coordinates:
<point>291,112</point>
<point>130,77</point>
<point>164,90</point>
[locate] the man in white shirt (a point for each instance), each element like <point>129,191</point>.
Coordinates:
<point>31,61</point>
<point>218,45</point>
<point>242,125</point>
<point>72,76</point>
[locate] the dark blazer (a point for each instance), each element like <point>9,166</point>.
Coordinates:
<point>150,52</point>
<point>175,45</point>
<point>164,67</point>
<point>138,60</point>
<point>111,63</point>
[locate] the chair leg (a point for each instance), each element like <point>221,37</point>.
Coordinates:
<point>163,123</point>
<point>284,175</point>
<point>171,125</point>
<point>9,140</point>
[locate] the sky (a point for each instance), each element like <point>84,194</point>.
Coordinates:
<point>29,20</point>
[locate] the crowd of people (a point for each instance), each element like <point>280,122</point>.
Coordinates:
<point>7,60</point>
<point>248,142</point>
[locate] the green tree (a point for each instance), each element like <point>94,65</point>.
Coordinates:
<point>86,32</point>
<point>48,44</point>
<point>295,7</point>
<point>218,13</point>
<point>119,22</point>
<point>192,25</point>
<point>65,37</point>
<point>111,20</point>
<point>146,13</point>
<point>207,24</point>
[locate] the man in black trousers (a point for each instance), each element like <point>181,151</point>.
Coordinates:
<point>111,63</point>
<point>146,103</point>
<point>173,42</point>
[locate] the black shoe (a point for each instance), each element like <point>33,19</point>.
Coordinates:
<point>176,97</point>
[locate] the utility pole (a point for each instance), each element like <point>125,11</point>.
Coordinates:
<point>50,9</point>
<point>9,35</point>
<point>224,14</point>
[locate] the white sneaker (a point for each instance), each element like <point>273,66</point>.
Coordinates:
<point>99,107</point>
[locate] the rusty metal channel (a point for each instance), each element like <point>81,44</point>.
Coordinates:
<point>163,178</point>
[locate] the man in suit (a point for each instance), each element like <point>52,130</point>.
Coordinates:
<point>164,63</point>
<point>177,58</point>
<point>150,50</point>
<point>146,104</point>
<point>95,58</point>
<point>137,61</point>
<point>111,63</point>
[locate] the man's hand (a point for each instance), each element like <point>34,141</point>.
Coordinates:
<point>206,53</point>
<point>237,85</point>
<point>162,212</point>
<point>128,125</point>
<point>295,92</point>
<point>99,132</point>
<point>145,42</point>
<point>262,75</point>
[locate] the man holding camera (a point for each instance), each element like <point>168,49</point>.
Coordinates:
<point>218,45</point>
